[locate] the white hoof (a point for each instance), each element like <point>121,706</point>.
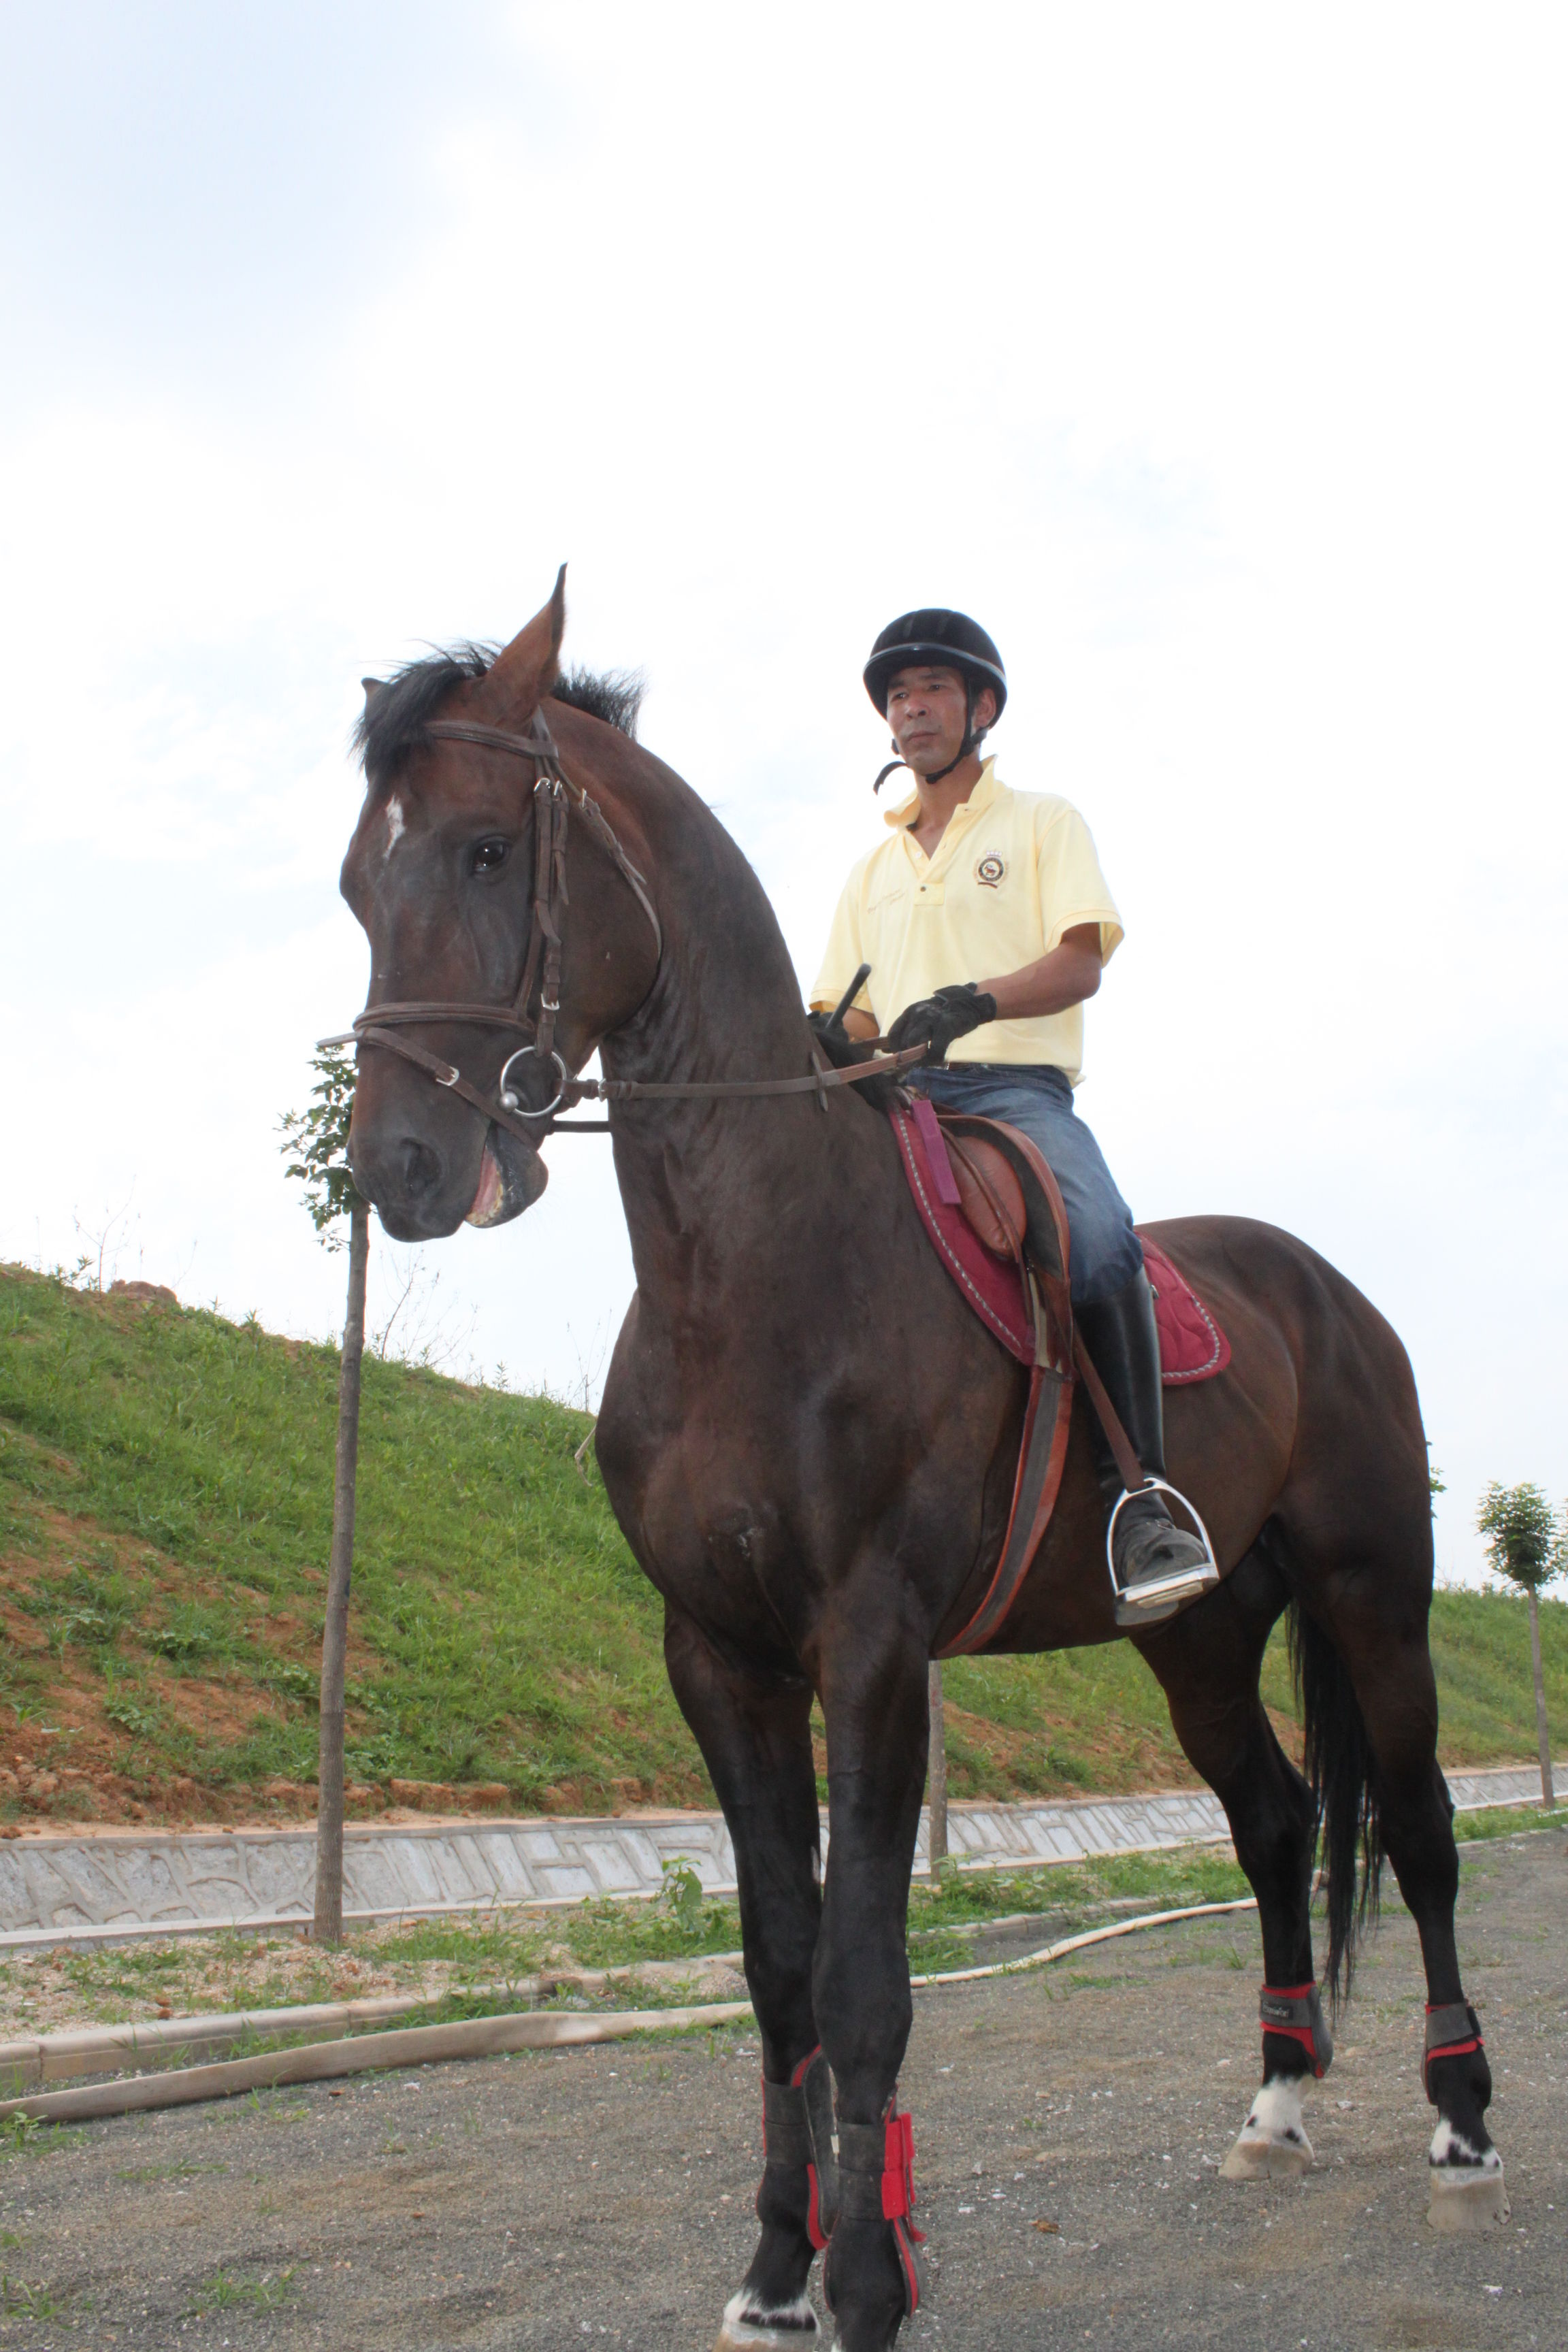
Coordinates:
<point>790,2328</point>
<point>1271,2144</point>
<point>1467,2191</point>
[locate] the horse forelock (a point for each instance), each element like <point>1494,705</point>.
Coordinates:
<point>395,716</point>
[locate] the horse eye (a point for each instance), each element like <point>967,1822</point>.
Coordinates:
<point>490,856</point>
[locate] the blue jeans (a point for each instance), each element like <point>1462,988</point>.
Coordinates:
<point>1037,1097</point>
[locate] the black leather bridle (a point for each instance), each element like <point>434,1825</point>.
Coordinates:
<point>554,797</point>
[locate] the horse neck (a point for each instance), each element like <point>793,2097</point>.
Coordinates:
<point>709,1176</point>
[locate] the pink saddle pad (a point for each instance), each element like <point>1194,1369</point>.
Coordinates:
<point>1192,1345</point>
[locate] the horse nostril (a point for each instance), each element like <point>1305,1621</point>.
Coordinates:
<point>421,1168</point>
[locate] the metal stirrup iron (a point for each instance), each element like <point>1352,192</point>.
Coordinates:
<point>1158,1591</point>
<point>1183,1583</point>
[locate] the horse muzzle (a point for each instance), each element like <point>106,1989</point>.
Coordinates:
<point>511,1178</point>
<point>426,1182</point>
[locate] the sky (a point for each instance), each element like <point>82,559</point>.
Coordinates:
<point>1215,358</point>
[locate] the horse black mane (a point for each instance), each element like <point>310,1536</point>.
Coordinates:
<point>393,721</point>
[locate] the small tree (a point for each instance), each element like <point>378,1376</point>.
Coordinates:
<point>1527,1541</point>
<point>318,1139</point>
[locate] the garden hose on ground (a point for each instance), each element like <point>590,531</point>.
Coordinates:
<point>473,2037</point>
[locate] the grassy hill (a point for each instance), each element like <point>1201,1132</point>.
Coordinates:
<point>165,1510</point>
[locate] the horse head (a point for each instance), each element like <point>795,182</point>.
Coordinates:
<point>441,874</point>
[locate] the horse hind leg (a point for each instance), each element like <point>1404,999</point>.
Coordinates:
<point>1371,1707</point>
<point>1207,1663</point>
<point>756,1738</point>
<point>1272,1823</point>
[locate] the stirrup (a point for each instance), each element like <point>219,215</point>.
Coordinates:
<point>1162,1592</point>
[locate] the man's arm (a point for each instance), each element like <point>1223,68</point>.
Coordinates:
<point>1068,975</point>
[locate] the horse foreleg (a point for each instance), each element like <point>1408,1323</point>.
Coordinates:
<point>1207,1663</point>
<point>756,1738</point>
<point>874,1700</point>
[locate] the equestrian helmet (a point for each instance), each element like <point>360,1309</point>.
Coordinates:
<point>936,638</point>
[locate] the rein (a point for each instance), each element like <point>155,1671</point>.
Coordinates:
<point>554,796</point>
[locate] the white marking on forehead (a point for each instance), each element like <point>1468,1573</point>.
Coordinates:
<point>396,825</point>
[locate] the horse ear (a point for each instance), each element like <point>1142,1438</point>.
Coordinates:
<point>528,668</point>
<point>372,687</point>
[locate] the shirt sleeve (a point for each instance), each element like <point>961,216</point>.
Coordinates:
<point>1072,889</point>
<point>843,958</point>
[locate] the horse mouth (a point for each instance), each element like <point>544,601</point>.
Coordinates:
<point>511,1178</point>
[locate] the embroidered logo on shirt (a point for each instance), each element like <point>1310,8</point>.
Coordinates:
<point>990,870</point>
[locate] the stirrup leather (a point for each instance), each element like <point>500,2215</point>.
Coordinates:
<point>1183,1583</point>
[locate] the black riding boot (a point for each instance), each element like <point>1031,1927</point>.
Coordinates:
<point>1158,1564</point>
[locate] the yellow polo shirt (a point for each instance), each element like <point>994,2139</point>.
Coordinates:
<point>1012,874</point>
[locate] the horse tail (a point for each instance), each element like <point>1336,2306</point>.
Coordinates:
<point>1337,1756</point>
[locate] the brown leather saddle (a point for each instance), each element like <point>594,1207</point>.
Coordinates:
<point>1009,1197</point>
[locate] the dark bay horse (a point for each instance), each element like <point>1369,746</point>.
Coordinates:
<point>810,1445</point>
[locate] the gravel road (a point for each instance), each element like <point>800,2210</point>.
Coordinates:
<point>603,2195</point>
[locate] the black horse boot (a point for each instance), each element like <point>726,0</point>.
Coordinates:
<point>1158,1565</point>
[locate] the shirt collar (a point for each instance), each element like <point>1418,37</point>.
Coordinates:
<point>985,791</point>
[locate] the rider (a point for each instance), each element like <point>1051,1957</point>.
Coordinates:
<point>974,877</point>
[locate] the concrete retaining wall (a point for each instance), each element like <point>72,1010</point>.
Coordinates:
<point>59,1888</point>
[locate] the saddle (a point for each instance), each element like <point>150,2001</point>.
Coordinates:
<point>993,1212</point>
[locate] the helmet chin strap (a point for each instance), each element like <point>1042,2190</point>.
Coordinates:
<point>970,743</point>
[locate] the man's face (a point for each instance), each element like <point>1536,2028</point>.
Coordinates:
<point>929,713</point>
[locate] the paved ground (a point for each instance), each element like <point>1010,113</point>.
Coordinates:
<point>603,2195</point>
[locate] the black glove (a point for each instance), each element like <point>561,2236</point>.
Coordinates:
<point>834,1039</point>
<point>941,1020</point>
<point>844,1050</point>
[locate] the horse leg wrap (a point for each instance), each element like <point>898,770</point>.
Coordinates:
<point>1296,2012</point>
<point>877,2183</point>
<point>797,2129</point>
<point>1453,2031</point>
<point>1463,2167</point>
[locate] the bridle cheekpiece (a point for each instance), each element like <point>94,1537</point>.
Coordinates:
<point>554,796</point>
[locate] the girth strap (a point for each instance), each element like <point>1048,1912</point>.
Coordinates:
<point>1296,2012</point>
<point>1048,1417</point>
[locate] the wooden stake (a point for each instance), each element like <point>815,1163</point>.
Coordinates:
<point>329,1921</point>
<point>1542,1737</point>
<point>936,1776</point>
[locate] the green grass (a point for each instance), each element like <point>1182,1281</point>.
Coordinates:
<point>223,2292</point>
<point>21,2300</point>
<point>165,1510</point>
<point>1507,1822</point>
<point>165,1507</point>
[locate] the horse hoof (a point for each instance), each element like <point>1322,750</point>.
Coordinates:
<point>790,2328</point>
<point>1468,2198</point>
<point>1255,2158</point>
<point>1271,2144</point>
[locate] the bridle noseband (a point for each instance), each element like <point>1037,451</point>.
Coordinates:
<point>554,795</point>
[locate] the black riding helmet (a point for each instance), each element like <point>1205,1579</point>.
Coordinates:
<point>937,639</point>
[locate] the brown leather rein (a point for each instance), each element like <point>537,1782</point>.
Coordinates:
<point>554,795</point>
